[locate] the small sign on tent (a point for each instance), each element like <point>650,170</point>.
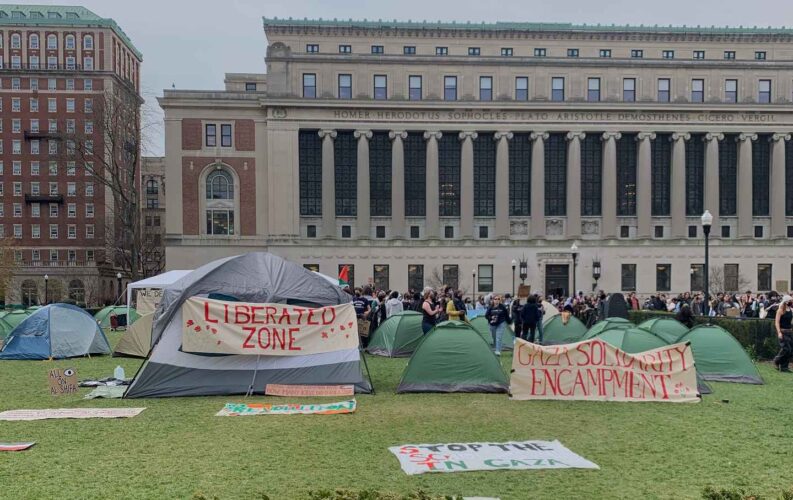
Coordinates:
<point>62,381</point>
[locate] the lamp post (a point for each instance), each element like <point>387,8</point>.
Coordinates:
<point>118,277</point>
<point>707,220</point>
<point>473,282</point>
<point>595,273</point>
<point>574,251</point>
<point>46,289</point>
<point>514,263</point>
<point>524,270</point>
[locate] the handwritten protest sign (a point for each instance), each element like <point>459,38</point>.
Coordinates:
<point>308,390</point>
<point>596,371</point>
<point>62,381</point>
<point>461,457</point>
<point>216,326</point>
<point>147,300</point>
<point>242,409</point>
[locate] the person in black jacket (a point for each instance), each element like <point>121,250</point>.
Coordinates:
<point>516,311</point>
<point>497,317</point>
<point>530,317</point>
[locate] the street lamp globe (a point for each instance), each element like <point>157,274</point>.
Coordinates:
<point>46,277</point>
<point>574,248</point>
<point>514,262</point>
<point>118,276</point>
<point>707,220</point>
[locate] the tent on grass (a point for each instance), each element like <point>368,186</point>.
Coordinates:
<point>136,342</point>
<point>607,324</point>
<point>157,282</point>
<point>56,331</point>
<point>556,332</point>
<point>256,277</point>
<point>482,327</point>
<point>719,357</point>
<point>549,312</point>
<point>103,316</point>
<point>632,340</point>
<point>453,357</point>
<point>10,320</point>
<point>397,336</point>
<point>668,329</point>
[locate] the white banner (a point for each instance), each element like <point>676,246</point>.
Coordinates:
<point>461,457</point>
<point>70,413</point>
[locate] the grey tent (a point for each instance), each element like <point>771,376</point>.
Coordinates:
<point>252,277</point>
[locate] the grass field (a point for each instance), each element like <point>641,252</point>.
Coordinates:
<point>177,448</point>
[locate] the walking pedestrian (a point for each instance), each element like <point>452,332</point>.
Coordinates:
<point>497,317</point>
<point>784,332</point>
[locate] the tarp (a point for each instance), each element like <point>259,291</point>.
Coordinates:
<point>453,357</point>
<point>136,341</point>
<point>103,316</point>
<point>256,277</point>
<point>556,331</point>
<point>399,335</point>
<point>481,325</point>
<point>720,357</point>
<point>668,329</point>
<point>594,370</point>
<point>607,324</point>
<point>55,331</point>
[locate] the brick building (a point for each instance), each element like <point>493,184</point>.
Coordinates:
<point>57,63</point>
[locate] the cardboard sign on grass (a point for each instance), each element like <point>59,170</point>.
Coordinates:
<point>220,327</point>
<point>62,381</point>
<point>461,457</point>
<point>596,371</point>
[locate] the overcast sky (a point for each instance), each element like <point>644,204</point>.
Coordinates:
<point>193,43</point>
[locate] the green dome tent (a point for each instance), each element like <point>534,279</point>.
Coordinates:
<point>668,329</point>
<point>719,357</point>
<point>11,320</point>
<point>607,324</point>
<point>453,357</point>
<point>632,340</point>
<point>103,316</point>
<point>482,327</point>
<point>556,332</point>
<point>397,336</point>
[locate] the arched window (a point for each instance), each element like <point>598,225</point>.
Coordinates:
<point>88,42</point>
<point>16,41</point>
<point>52,42</point>
<point>30,293</point>
<point>219,202</point>
<point>34,41</point>
<point>153,187</point>
<point>77,291</point>
<point>70,42</point>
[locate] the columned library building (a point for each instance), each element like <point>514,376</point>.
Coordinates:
<point>422,153</point>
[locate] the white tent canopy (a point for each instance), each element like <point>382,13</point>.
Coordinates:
<point>159,281</point>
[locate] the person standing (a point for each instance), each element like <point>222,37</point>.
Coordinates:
<point>530,318</point>
<point>516,312</point>
<point>455,310</point>
<point>784,332</point>
<point>393,305</point>
<point>497,317</point>
<point>430,311</point>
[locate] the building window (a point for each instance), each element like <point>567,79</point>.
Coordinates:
<point>699,54</point>
<point>628,277</point>
<point>663,89</point>
<point>659,232</point>
<point>557,89</point>
<point>663,277</point>
<point>506,51</point>
<point>380,175</point>
<point>380,87</point>
<point>605,52</point>
<point>731,277</point>
<point>473,51</point>
<point>309,85</point>
<point>220,203</point>
<point>409,50</point>
<point>441,51</point>
<point>728,173</point>
<point>763,277</point>
<point>250,86</point>
<point>378,49</point>
<point>731,91</point>
<point>484,278</point>
<point>380,272</point>
<point>225,135</point>
<point>312,48</point>
<point>449,175</point>
<point>697,277</point>
<point>311,231</point>
<point>451,276</point>
<point>379,231</point>
<point>661,174</point>
<point>626,175</point>
<point>729,54</point>
<point>415,277</point>
<point>88,42</point>
<point>695,175</point>
<point>485,176</point>
<point>668,54</point>
<point>415,232</point>
<point>414,88</point>
<point>415,158</point>
<point>485,88</point>
<point>629,89</point>
<point>556,175</point>
<point>345,49</point>
<point>521,88</point>
<point>539,52</point>
<point>88,84</point>
<point>764,92</point>
<point>725,231</point>
<point>761,172</point>
<point>16,41</point>
<point>692,231</point>
<point>52,42</point>
<point>591,175</point>
<point>758,231</point>
<point>448,232</point>
<point>345,86</point>
<point>345,148</point>
<point>790,231</point>
<point>625,231</point>
<point>572,52</point>
<point>637,53</point>
<point>759,55</point>
<point>520,175</point>
<point>449,88</point>
<point>593,90</point>
<point>697,90</point>
<point>483,231</point>
<point>152,187</point>
<point>220,222</point>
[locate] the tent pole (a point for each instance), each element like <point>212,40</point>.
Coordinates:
<point>253,380</point>
<point>366,365</point>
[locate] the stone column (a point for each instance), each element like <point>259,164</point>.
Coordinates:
<point>573,208</point>
<point>502,183</point>
<point>644,184</point>
<point>678,184</point>
<point>467,184</point>
<point>745,185</point>
<point>608,225</point>
<point>364,188</point>
<point>778,185</point>
<point>328,184</point>
<point>433,203</point>
<point>538,184</point>
<point>712,177</point>
<point>397,183</point>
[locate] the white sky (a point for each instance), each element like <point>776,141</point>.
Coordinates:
<point>193,43</point>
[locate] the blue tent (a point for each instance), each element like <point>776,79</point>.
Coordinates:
<point>55,331</point>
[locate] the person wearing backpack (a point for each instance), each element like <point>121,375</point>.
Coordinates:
<point>530,317</point>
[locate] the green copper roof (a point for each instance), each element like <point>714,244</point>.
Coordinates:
<point>524,26</point>
<point>59,15</point>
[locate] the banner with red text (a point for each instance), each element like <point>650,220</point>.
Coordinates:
<point>220,327</point>
<point>594,370</point>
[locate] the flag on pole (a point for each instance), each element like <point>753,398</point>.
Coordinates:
<point>344,276</point>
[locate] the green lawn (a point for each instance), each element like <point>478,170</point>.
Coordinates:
<point>177,448</point>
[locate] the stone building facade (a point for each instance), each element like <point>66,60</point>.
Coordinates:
<point>420,153</point>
